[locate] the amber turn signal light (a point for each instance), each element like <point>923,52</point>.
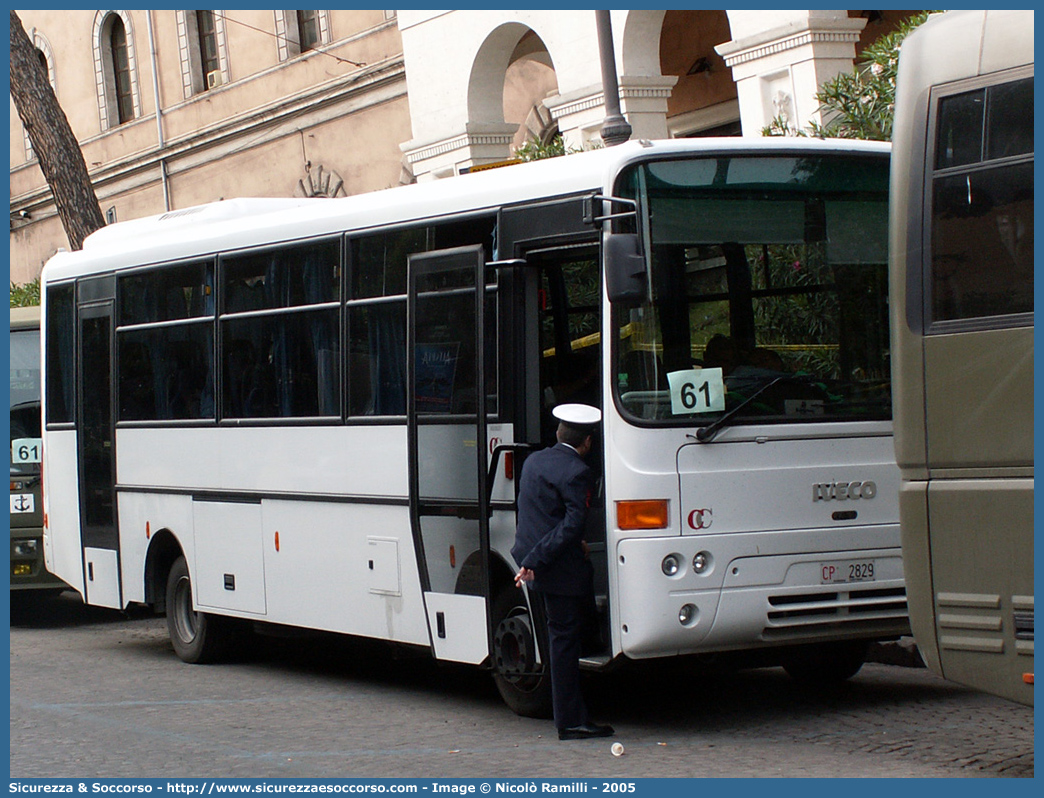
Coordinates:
<point>642,514</point>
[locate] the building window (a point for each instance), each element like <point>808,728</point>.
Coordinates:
<point>300,31</point>
<point>204,52</point>
<point>115,69</point>
<point>208,51</point>
<point>121,71</point>
<point>307,29</point>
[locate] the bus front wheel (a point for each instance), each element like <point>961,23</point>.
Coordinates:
<point>522,681</point>
<point>197,636</point>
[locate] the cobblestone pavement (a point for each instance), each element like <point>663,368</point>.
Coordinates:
<point>97,694</point>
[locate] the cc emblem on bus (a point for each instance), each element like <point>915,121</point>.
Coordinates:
<point>701,519</point>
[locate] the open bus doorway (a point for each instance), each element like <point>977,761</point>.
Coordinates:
<point>570,337</point>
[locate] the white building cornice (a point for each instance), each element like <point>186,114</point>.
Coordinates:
<point>474,136</point>
<point>790,37</point>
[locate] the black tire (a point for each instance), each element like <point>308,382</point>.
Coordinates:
<point>523,683</point>
<point>826,663</point>
<point>197,637</point>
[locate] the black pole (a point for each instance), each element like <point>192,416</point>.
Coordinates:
<point>615,129</point>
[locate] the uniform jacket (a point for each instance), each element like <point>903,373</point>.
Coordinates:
<point>553,499</point>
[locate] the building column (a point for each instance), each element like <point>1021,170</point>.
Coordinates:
<point>779,71</point>
<point>643,101</point>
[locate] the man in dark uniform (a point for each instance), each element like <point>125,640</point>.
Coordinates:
<point>553,497</point>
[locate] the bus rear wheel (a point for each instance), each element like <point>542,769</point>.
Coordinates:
<point>197,637</point>
<point>522,681</point>
<point>826,663</point>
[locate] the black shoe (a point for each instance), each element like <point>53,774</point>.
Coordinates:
<point>586,731</point>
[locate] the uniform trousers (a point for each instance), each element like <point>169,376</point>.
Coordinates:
<point>566,617</point>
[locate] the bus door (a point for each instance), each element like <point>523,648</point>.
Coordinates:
<point>558,330</point>
<point>446,409</point>
<point>566,333</point>
<point>96,444</point>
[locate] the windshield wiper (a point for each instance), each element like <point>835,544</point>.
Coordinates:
<point>708,433</point>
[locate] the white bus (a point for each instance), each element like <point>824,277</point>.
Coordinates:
<point>962,315</point>
<point>313,413</point>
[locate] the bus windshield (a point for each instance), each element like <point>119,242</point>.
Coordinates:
<point>25,402</point>
<point>767,292</point>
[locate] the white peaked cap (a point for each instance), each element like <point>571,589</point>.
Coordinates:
<point>578,415</point>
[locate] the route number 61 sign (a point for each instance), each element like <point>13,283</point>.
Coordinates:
<point>697,391</point>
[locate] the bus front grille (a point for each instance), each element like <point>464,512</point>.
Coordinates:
<point>865,611</point>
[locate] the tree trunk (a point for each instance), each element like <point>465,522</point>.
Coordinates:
<point>53,141</point>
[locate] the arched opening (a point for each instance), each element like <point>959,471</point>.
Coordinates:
<point>511,77</point>
<point>704,101</point>
<point>529,79</point>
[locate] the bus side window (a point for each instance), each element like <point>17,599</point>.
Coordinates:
<point>137,390</point>
<point>982,207</point>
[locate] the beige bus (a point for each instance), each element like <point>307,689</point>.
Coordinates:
<point>27,557</point>
<point>961,302</point>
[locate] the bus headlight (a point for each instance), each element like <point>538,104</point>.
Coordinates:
<point>670,565</point>
<point>701,562</point>
<point>24,548</point>
<point>688,614</point>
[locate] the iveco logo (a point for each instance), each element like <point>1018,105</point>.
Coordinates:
<point>841,491</point>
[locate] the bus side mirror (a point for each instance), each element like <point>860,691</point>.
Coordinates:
<point>625,273</point>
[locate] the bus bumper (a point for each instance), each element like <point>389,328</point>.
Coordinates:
<point>740,594</point>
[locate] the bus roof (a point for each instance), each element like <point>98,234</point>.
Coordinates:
<point>241,223</point>
<point>960,44</point>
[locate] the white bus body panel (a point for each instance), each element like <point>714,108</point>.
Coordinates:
<point>451,475</point>
<point>331,461</point>
<point>141,516</point>
<point>347,568</point>
<point>229,571</point>
<point>335,513</point>
<point>779,482</point>
<point>62,552</point>
<point>458,625</point>
<point>337,567</point>
<point>103,579</point>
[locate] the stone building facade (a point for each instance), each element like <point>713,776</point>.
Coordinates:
<point>177,108</point>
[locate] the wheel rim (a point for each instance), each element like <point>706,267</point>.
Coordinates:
<point>185,619</point>
<point>514,650</point>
